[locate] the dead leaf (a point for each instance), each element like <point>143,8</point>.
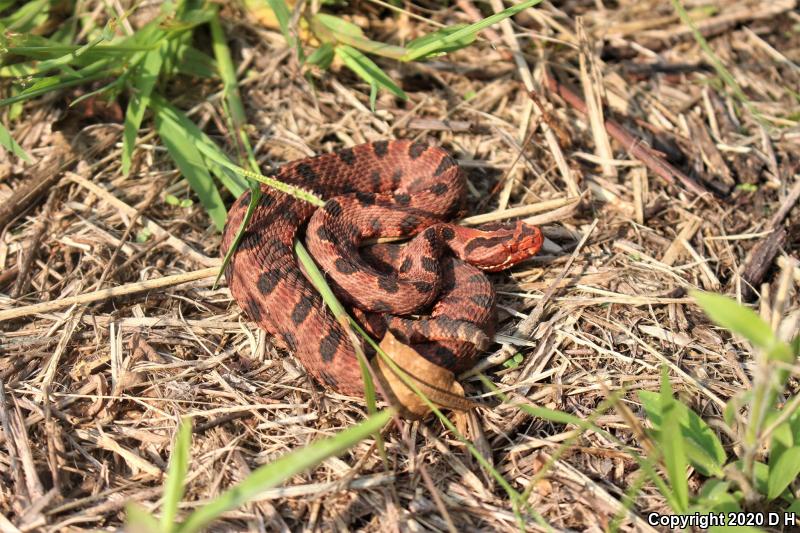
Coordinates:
<point>435,382</point>
<point>543,487</point>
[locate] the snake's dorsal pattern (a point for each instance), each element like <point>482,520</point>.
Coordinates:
<point>387,188</point>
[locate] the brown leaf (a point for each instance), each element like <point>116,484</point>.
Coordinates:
<point>435,382</point>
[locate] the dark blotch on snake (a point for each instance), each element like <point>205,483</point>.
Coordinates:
<point>365,198</point>
<point>477,278</point>
<point>307,173</point>
<point>267,281</point>
<point>439,189</point>
<point>444,164</point>
<point>481,300</point>
<point>333,208</point>
<point>324,235</point>
<point>375,179</point>
<point>347,155</point>
<point>329,345</point>
<point>405,266</point>
<point>396,177</point>
<point>416,150</point>
<point>409,223</point>
<point>423,286</point>
<point>431,236</point>
<point>344,266</point>
<point>381,148</point>
<point>301,310</point>
<point>483,242</point>
<point>389,284</point>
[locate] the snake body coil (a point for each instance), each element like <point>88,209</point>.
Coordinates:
<point>381,189</point>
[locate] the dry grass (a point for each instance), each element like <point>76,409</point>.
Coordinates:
<point>106,340</point>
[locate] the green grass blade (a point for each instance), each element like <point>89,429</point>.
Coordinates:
<point>8,142</point>
<point>783,470</point>
<point>283,15</point>
<point>443,46</point>
<point>297,192</point>
<point>322,56</point>
<point>449,39</point>
<point>27,17</point>
<point>703,448</point>
<point>330,29</point>
<point>143,84</point>
<point>280,470</point>
<point>741,320</point>
<point>138,520</point>
<point>338,25</point>
<point>101,90</point>
<point>89,64</point>
<point>176,475</point>
<point>191,164</point>
<point>367,69</point>
<point>189,15</point>
<point>318,280</point>
<point>672,446</point>
<point>237,118</point>
<point>227,72</point>
<point>50,84</point>
<point>216,160</point>
<point>73,56</point>
<point>255,197</point>
<point>193,62</point>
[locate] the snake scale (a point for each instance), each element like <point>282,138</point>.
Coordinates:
<point>381,189</point>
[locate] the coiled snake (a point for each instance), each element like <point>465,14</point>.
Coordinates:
<point>381,189</point>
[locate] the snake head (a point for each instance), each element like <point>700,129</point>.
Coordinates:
<point>505,245</point>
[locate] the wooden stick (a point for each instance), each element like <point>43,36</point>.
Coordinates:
<point>132,213</point>
<point>45,174</point>
<point>635,147</point>
<point>113,292</point>
<point>521,211</point>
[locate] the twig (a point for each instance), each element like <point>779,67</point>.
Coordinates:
<point>635,147</point>
<point>521,211</point>
<point>5,423</point>
<point>727,19</point>
<point>29,255</point>
<point>147,203</point>
<point>113,292</point>
<point>593,94</point>
<point>761,256</point>
<point>45,174</point>
<point>759,260</point>
<point>437,498</point>
<point>786,206</point>
<point>157,230</point>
